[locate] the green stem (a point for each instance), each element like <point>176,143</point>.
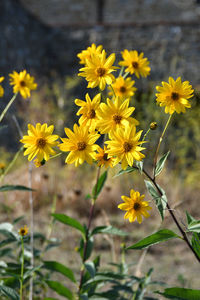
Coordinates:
<point>113,90</point>
<point>11,163</point>
<point>7,106</point>
<point>144,137</point>
<point>22,270</point>
<point>125,75</point>
<point>158,147</point>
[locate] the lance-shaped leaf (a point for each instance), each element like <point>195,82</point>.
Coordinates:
<point>7,291</point>
<point>160,164</point>
<point>128,170</point>
<point>190,218</point>
<point>60,289</point>
<point>140,164</point>
<point>194,226</point>
<point>196,243</point>
<point>158,237</point>
<point>177,293</point>
<point>98,187</point>
<point>108,230</point>
<point>70,222</point>
<point>161,201</point>
<point>6,188</point>
<point>58,267</point>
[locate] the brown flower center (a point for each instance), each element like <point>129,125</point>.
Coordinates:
<point>22,83</point>
<point>117,119</point>
<point>22,231</point>
<point>135,64</point>
<point>175,96</point>
<point>127,147</point>
<point>122,89</point>
<point>136,206</point>
<point>105,157</point>
<point>81,146</point>
<point>92,114</point>
<point>101,72</point>
<point>41,142</point>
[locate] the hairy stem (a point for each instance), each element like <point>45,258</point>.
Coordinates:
<point>22,269</point>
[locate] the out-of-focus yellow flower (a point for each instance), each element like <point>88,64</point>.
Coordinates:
<point>135,207</point>
<point>23,230</point>
<point>103,159</point>
<point>135,63</point>
<point>174,95</point>
<point>115,114</point>
<point>1,88</point>
<point>81,144</point>
<point>88,111</point>
<point>123,88</point>
<point>98,70</point>
<point>153,125</point>
<point>22,82</point>
<point>39,141</point>
<point>125,146</point>
<point>87,54</point>
<point>2,166</point>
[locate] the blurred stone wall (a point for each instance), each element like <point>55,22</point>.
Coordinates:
<point>44,36</point>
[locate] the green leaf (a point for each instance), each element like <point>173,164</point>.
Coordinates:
<point>140,164</point>
<point>128,170</point>
<point>60,289</point>
<point>7,291</point>
<point>161,201</point>
<point>108,230</point>
<point>196,243</point>
<point>158,237</point>
<point>160,164</point>
<point>194,226</point>
<point>98,187</point>
<point>5,188</point>
<point>48,298</point>
<point>69,221</point>
<point>177,293</point>
<point>89,248</point>
<point>90,266</point>
<point>190,219</point>
<point>58,267</point>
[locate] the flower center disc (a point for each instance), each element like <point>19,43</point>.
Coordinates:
<point>117,119</point>
<point>101,72</point>
<point>105,157</point>
<point>175,96</point>
<point>92,114</point>
<point>22,83</point>
<point>127,147</point>
<point>41,142</point>
<point>81,146</point>
<point>135,64</point>
<point>136,206</point>
<point>122,89</point>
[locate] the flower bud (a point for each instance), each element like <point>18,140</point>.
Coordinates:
<point>153,125</point>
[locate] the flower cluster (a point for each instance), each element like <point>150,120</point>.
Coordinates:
<point>111,117</point>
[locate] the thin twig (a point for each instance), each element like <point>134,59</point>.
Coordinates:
<point>31,227</point>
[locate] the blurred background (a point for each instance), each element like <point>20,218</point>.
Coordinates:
<point>44,37</point>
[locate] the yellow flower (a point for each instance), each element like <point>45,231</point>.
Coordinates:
<point>103,159</point>
<point>135,63</point>
<point>174,95</point>
<point>135,207</point>
<point>1,88</point>
<point>39,141</point>
<point>87,54</point>
<point>81,145</point>
<point>22,82</point>
<point>23,231</point>
<point>98,70</point>
<point>88,111</point>
<point>125,146</point>
<point>2,166</point>
<point>115,114</point>
<point>123,88</point>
